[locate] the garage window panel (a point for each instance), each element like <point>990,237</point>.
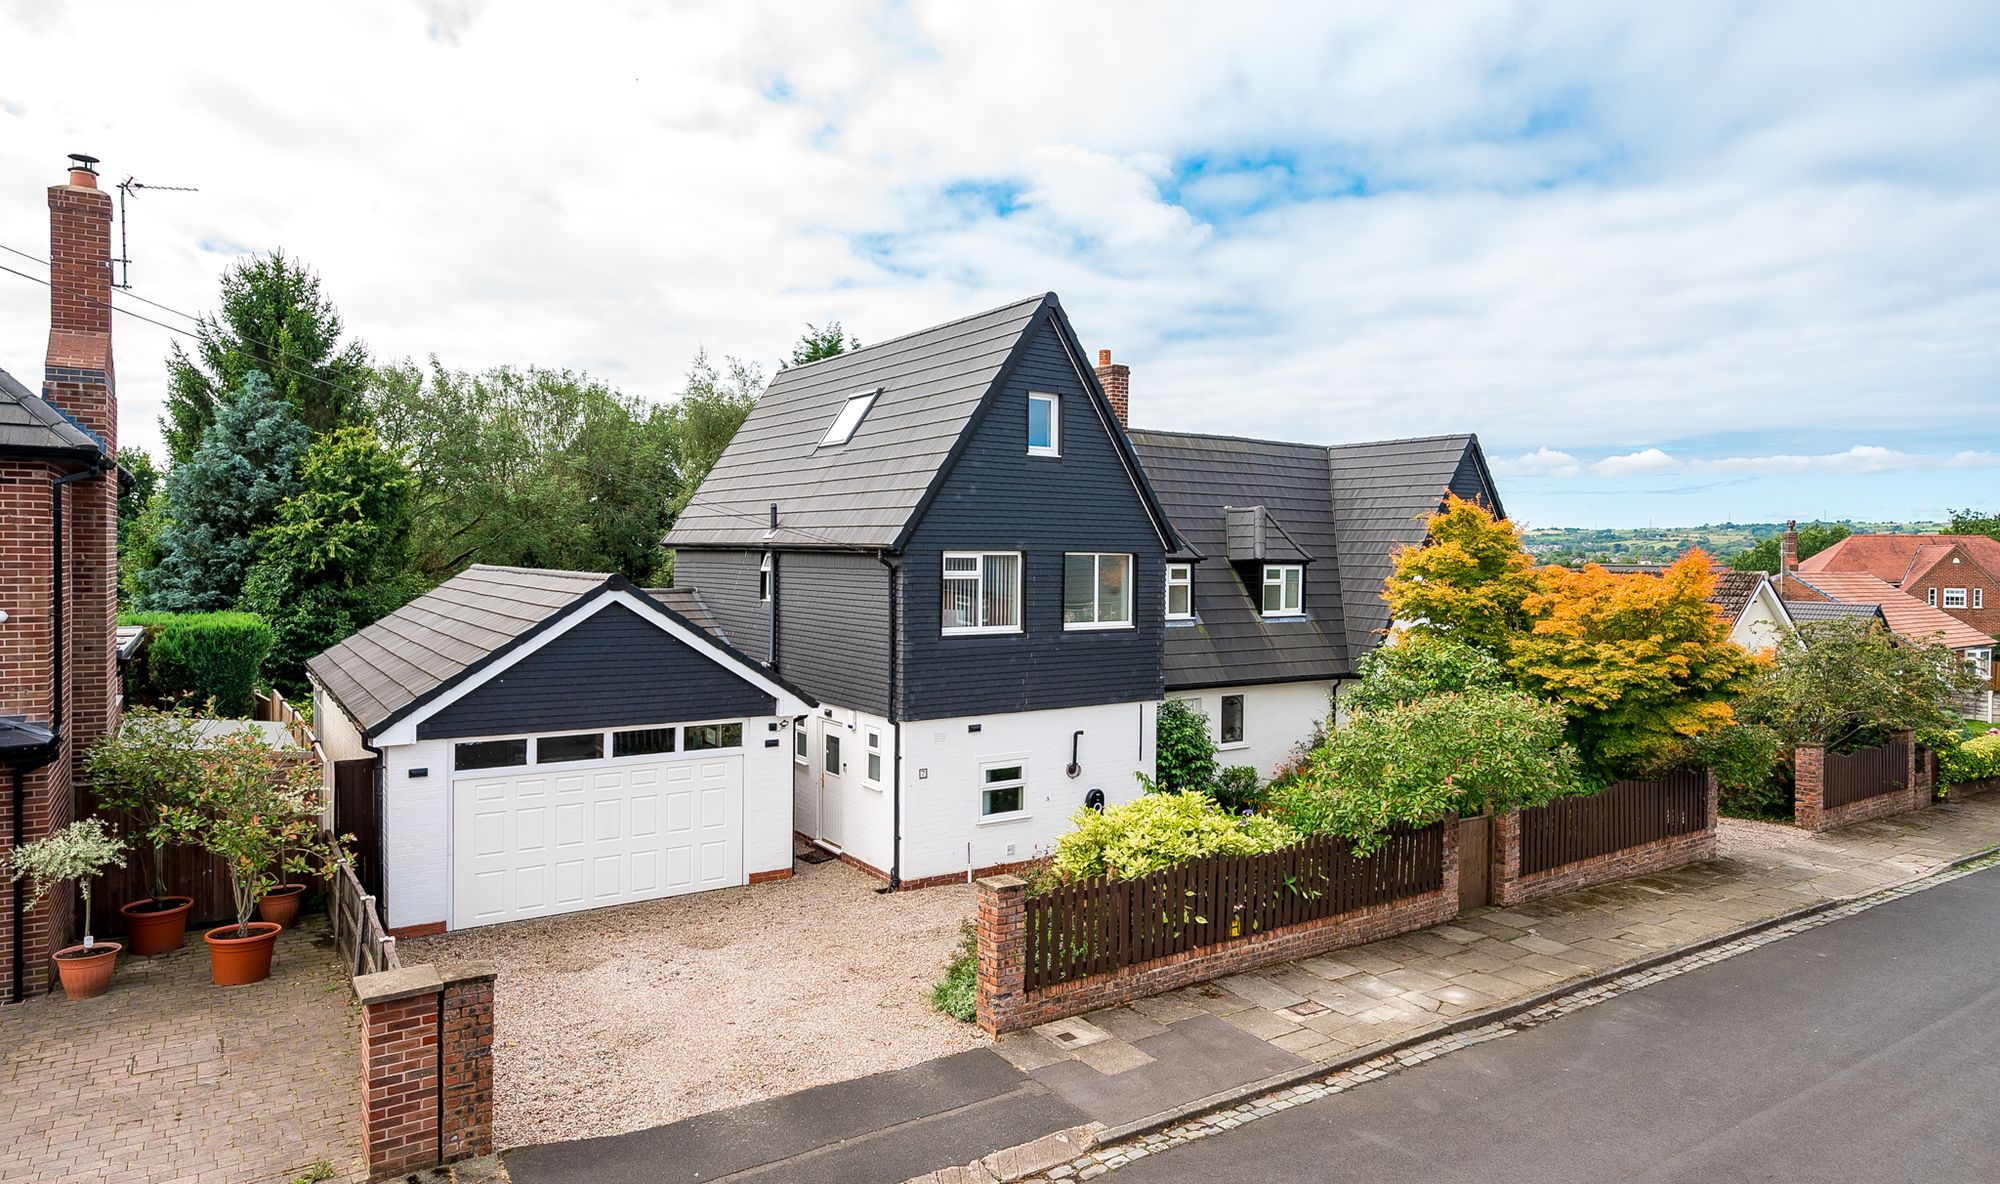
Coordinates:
<point>705,737</point>
<point>644,742</point>
<point>577,746</point>
<point>489,754</point>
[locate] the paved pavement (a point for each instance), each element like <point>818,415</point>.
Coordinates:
<point>1130,1063</point>
<point>1864,1049</point>
<point>169,1077</point>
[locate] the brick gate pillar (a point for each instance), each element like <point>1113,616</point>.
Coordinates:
<point>1809,784</point>
<point>1003,951</point>
<point>426,1067</point>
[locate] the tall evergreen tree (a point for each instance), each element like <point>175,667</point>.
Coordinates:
<point>275,321</point>
<point>244,468</point>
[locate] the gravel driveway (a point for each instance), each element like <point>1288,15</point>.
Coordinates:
<point>624,1018</point>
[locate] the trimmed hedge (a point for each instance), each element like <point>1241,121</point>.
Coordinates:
<point>204,656</point>
<point>1974,760</point>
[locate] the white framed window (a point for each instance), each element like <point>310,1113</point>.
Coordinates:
<point>1284,589</point>
<point>841,430</point>
<point>1097,591</point>
<point>1954,598</point>
<point>982,592</point>
<point>1231,731</point>
<point>1180,591</point>
<point>874,773</point>
<point>1981,662</point>
<point>801,744</point>
<point>1979,598</point>
<point>830,754</point>
<point>764,577</point>
<point>488,754</point>
<point>1003,790</point>
<point>708,737</point>
<point>1044,424</point>
<point>1930,596</point>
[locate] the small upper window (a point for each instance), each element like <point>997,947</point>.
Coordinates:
<point>1097,591</point>
<point>1044,425</point>
<point>849,419</point>
<point>764,577</point>
<point>1930,594</point>
<point>1954,598</point>
<point>577,746</point>
<point>1284,589</point>
<point>489,754</point>
<point>643,742</point>
<point>874,757</point>
<point>1180,591</point>
<point>702,737</point>
<point>1232,719</point>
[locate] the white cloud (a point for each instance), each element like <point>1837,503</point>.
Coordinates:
<point>1542,462</point>
<point>1859,460</point>
<point>1645,462</point>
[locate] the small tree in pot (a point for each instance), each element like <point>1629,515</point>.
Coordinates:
<point>258,810</point>
<point>76,854</point>
<point>148,774</point>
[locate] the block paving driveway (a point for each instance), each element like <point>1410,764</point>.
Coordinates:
<point>169,1077</point>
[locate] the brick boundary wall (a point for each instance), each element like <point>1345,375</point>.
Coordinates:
<point>426,1067</point>
<point>1510,887</point>
<point>1967,789</point>
<point>1004,1004</point>
<point>1809,808</point>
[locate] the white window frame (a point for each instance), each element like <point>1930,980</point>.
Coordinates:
<point>1278,570</point>
<point>764,578</point>
<point>1979,598</point>
<point>802,747</point>
<point>1054,446</point>
<point>1185,579</point>
<point>1242,722</point>
<point>1981,661</point>
<point>1961,596</point>
<point>610,746</point>
<point>985,787</point>
<point>978,576</point>
<point>1930,594</point>
<point>848,420</point>
<point>1097,559</point>
<point>873,759</point>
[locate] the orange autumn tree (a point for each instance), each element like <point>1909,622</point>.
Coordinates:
<point>1642,664</point>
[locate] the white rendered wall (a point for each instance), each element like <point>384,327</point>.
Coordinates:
<point>1276,717</point>
<point>416,834</point>
<point>848,810</point>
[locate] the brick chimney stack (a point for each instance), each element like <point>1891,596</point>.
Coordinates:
<point>1117,383</point>
<point>1788,552</point>
<point>78,380</point>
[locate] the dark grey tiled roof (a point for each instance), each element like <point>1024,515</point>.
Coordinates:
<point>1196,477</point>
<point>1382,493</point>
<point>415,649</point>
<point>863,492</point>
<point>30,426</point>
<point>1802,611</point>
<point>687,602</point>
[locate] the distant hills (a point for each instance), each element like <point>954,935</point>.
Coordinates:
<point>1664,544</point>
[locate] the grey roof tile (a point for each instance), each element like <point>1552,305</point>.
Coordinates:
<point>31,425</point>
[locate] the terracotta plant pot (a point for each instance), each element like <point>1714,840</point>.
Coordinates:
<point>281,906</point>
<point>86,976</point>
<point>150,931</point>
<point>234,961</point>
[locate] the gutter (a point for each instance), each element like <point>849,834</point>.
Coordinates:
<point>895,737</point>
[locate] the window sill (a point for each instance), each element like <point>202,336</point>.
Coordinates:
<point>1002,819</point>
<point>1187,620</point>
<point>1289,616</point>
<point>1043,454</point>
<point>1094,627</point>
<point>1232,746</point>
<point>1014,631</point>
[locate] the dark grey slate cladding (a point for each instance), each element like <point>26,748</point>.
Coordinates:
<point>996,497</point>
<point>727,584</point>
<point>614,669</point>
<point>1231,642</point>
<point>833,627</point>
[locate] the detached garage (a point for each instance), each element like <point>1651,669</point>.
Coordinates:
<point>519,743</point>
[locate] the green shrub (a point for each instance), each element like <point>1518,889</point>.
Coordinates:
<point>955,994</point>
<point>1974,760</point>
<point>1186,754</point>
<point>205,656</point>
<point>1238,790</point>
<point>1417,667</point>
<point>1160,830</point>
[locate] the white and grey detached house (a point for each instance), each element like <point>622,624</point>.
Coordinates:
<point>926,605</point>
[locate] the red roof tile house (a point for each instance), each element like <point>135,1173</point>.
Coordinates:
<point>58,567</point>
<point>1957,574</point>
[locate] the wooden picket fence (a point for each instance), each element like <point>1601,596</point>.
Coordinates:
<point>364,946</point>
<point>1865,773</point>
<point>1626,814</point>
<point>1100,925</point>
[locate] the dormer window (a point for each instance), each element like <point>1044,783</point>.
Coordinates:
<point>851,414</point>
<point>1044,425</point>
<point>1180,592</point>
<point>1284,589</point>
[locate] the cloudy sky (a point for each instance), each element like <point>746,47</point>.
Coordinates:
<point>1712,262</point>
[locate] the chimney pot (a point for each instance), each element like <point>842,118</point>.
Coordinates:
<point>82,170</point>
<point>1116,379</point>
<point>1104,357</point>
<point>1788,551</point>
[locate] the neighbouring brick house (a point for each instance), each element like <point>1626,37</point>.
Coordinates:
<point>1957,574</point>
<point>58,566</point>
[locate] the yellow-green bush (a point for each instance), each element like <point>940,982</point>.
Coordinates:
<point>1973,760</point>
<point>1159,830</point>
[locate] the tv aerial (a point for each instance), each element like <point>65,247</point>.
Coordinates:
<point>132,187</point>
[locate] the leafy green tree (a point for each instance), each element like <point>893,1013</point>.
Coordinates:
<point>1412,764</point>
<point>1971,521</point>
<point>818,343</point>
<point>231,488</point>
<point>1186,758</point>
<point>336,558</point>
<point>705,417</point>
<point>141,517</point>
<point>146,478</point>
<point>1814,537</point>
<point>1416,667</point>
<point>274,321</point>
<point>1843,681</point>
<point>146,774</point>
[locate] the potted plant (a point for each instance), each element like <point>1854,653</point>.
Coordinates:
<point>147,774</point>
<point>76,854</point>
<point>259,812</point>
<point>280,906</point>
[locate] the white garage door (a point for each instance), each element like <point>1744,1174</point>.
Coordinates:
<point>528,844</point>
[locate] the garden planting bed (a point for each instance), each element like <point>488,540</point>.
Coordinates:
<point>625,1018</point>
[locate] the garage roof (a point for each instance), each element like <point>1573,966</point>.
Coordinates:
<point>437,640</point>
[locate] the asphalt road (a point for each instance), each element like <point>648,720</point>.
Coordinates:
<point>1866,1050</point>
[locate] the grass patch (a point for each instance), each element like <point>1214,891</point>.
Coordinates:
<point>955,992</point>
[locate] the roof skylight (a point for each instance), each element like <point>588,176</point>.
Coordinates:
<point>850,417</point>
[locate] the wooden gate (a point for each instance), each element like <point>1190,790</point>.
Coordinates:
<point>1475,862</point>
<point>357,811</point>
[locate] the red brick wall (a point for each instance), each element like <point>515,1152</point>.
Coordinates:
<point>1968,575</point>
<point>1809,808</point>
<point>1004,1004</point>
<point>426,1067</point>
<point>1116,379</point>
<point>1510,887</point>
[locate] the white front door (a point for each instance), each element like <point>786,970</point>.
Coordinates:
<point>556,839</point>
<point>834,741</point>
